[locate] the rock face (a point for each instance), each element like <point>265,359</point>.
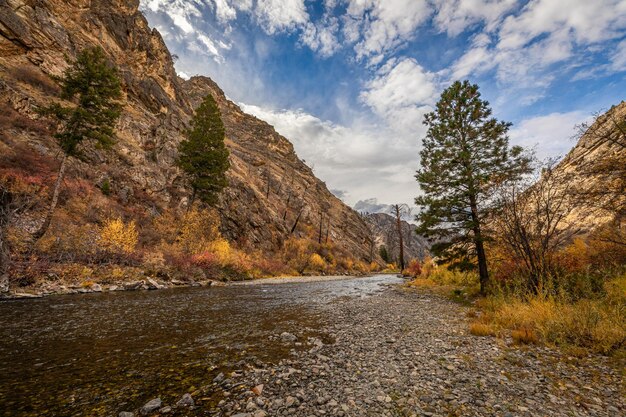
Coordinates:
<point>596,169</point>
<point>270,187</point>
<point>383,227</point>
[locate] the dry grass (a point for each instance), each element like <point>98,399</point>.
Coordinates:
<point>598,325</point>
<point>524,337</point>
<point>481,329</point>
<point>422,283</point>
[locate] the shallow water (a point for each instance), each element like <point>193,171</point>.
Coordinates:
<point>98,354</point>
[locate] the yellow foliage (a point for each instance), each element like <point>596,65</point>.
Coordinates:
<point>316,262</point>
<point>222,249</point>
<point>117,236</point>
<point>197,231</point>
<point>592,324</point>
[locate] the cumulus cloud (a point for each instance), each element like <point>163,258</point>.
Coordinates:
<point>455,16</point>
<point>360,158</point>
<point>401,93</point>
<point>381,26</point>
<point>279,15</point>
<point>524,47</point>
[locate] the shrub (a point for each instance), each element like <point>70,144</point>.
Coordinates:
<point>119,237</point>
<point>196,230</point>
<point>35,77</point>
<point>316,263</point>
<point>414,269</point>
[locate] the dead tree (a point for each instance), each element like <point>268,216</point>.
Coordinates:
<point>532,222</point>
<point>398,211</point>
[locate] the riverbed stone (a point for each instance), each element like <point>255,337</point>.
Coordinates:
<point>288,337</point>
<point>126,414</point>
<point>151,406</point>
<point>186,401</point>
<point>432,367</point>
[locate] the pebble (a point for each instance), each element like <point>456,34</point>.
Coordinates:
<point>151,406</point>
<point>433,367</point>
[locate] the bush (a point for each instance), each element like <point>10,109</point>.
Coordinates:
<point>119,237</point>
<point>316,263</point>
<point>413,270</point>
<point>596,325</point>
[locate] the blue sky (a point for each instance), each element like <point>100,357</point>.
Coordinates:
<point>348,81</point>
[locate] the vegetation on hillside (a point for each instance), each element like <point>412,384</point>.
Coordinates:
<point>92,86</point>
<point>203,155</point>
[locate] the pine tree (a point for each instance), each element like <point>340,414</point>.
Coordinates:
<point>94,87</point>
<point>203,155</point>
<point>465,153</point>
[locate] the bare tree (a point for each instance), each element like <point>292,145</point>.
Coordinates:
<point>531,220</point>
<point>12,204</point>
<point>399,210</point>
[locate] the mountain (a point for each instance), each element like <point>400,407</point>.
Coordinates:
<point>384,233</point>
<point>371,205</point>
<point>270,189</point>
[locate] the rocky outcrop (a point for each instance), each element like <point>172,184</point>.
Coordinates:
<point>272,194</point>
<point>384,233</point>
<point>594,172</point>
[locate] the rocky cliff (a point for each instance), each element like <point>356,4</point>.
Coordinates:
<point>594,172</point>
<point>272,193</point>
<point>384,232</point>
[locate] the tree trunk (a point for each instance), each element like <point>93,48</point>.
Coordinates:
<point>400,239</point>
<point>483,273</point>
<point>55,199</point>
<point>192,199</point>
<point>5,199</point>
<point>319,237</point>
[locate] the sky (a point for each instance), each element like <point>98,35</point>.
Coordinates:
<point>348,81</point>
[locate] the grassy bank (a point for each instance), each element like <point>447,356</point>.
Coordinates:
<point>581,313</point>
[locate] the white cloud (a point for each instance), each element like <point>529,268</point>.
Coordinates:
<point>401,93</point>
<point>210,46</point>
<point>528,44</point>
<point>362,158</point>
<point>550,135</point>
<point>383,25</point>
<point>279,15</point>
<point>180,11</point>
<point>618,57</point>
<point>322,37</point>
<point>455,16</point>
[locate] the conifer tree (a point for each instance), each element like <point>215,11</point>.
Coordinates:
<point>465,153</point>
<point>93,86</point>
<point>203,156</point>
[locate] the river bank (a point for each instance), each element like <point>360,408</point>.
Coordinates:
<point>409,353</point>
<point>148,284</point>
<point>337,347</point>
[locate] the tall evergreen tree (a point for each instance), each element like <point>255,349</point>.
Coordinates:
<point>203,156</point>
<point>465,153</point>
<point>93,85</point>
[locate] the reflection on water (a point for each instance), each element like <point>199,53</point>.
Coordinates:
<point>97,354</point>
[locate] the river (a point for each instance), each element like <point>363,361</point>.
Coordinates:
<point>97,354</point>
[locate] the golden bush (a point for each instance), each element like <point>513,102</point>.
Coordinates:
<point>316,263</point>
<point>197,230</point>
<point>118,236</point>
